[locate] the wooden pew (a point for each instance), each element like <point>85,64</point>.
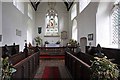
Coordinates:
<point>109,52</point>
<point>14,59</point>
<point>85,57</point>
<point>10,49</point>
<point>27,67</point>
<point>78,63</point>
<point>17,58</point>
<point>78,68</point>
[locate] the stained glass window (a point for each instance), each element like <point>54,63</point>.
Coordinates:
<point>51,23</point>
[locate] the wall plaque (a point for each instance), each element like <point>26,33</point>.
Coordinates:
<point>64,35</point>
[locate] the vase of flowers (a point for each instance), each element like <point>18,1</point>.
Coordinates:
<point>72,43</point>
<point>38,40</point>
<point>104,69</point>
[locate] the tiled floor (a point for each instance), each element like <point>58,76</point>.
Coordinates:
<point>60,63</point>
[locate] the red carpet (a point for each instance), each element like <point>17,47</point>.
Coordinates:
<point>51,72</point>
<point>52,56</point>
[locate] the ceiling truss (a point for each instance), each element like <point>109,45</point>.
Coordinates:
<point>67,3</point>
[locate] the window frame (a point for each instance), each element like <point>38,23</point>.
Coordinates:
<point>74,29</point>
<point>19,5</point>
<point>52,33</point>
<point>112,42</point>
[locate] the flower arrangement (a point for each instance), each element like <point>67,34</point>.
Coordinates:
<point>7,68</point>
<point>72,43</point>
<point>104,69</point>
<point>38,40</point>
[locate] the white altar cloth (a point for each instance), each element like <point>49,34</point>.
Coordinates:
<point>52,45</point>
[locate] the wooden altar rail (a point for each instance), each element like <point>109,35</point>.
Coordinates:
<point>53,50</point>
<point>78,68</point>
<point>27,67</point>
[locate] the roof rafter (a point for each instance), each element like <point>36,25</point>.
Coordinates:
<point>68,4</point>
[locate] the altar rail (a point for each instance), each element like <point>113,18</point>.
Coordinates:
<point>78,68</point>
<point>27,67</point>
<point>52,50</point>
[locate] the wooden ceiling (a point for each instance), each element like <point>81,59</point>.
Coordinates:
<point>68,4</point>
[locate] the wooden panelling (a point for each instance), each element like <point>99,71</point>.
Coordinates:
<point>109,52</point>
<point>10,49</point>
<point>27,67</point>
<point>17,58</point>
<point>77,68</point>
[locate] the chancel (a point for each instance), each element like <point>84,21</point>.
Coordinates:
<point>60,39</point>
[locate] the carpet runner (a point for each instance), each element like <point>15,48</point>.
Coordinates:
<point>52,56</point>
<point>51,72</point>
<point>45,55</point>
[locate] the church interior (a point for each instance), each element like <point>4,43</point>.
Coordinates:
<point>60,39</point>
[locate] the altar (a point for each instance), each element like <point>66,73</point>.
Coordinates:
<point>52,45</point>
<point>53,49</point>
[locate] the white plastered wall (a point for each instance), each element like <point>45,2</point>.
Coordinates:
<point>13,19</point>
<point>103,24</point>
<point>40,21</point>
<point>86,22</point>
<point>0,21</point>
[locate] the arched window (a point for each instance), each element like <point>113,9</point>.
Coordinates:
<point>74,30</point>
<point>74,11</point>
<point>30,11</point>
<point>115,24</point>
<point>51,23</point>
